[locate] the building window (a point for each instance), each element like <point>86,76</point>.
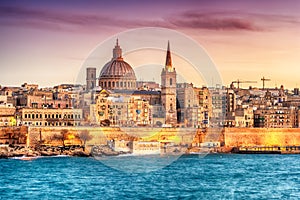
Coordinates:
<point>25,116</point>
<point>171,81</point>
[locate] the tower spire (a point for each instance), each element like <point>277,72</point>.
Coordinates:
<point>168,58</point>
<point>168,90</point>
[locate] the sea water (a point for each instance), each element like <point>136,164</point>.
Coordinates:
<point>218,176</point>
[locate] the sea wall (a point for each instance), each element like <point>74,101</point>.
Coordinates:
<point>100,135</point>
<point>13,135</point>
<point>52,136</point>
<point>235,137</point>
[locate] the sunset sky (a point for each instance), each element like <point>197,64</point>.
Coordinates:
<point>47,42</point>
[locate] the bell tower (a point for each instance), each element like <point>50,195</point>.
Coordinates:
<point>90,78</point>
<point>168,90</point>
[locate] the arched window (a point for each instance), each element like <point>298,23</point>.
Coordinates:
<point>117,84</point>
<point>171,81</point>
<point>125,84</point>
<point>171,107</point>
<point>109,84</point>
<point>121,84</point>
<point>105,84</point>
<point>113,84</point>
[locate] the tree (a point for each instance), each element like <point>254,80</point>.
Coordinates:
<point>62,136</point>
<point>85,136</point>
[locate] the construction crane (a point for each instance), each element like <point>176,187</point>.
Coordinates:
<point>239,81</point>
<point>263,80</point>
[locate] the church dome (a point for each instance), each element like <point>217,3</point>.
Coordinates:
<point>117,74</point>
<point>117,69</point>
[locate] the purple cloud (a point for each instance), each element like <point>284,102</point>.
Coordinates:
<point>213,21</point>
<point>231,20</point>
<point>68,21</point>
<point>52,20</point>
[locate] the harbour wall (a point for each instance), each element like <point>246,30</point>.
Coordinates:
<point>231,137</point>
<point>236,137</point>
<point>52,136</point>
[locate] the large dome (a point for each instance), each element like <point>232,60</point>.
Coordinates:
<point>117,69</point>
<point>117,74</point>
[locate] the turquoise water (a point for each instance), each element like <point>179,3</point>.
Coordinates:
<point>190,177</point>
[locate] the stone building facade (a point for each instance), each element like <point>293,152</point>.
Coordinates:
<point>50,117</point>
<point>275,117</point>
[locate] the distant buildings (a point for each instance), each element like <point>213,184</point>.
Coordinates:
<point>7,112</point>
<point>116,98</point>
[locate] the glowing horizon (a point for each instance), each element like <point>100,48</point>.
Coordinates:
<point>47,42</point>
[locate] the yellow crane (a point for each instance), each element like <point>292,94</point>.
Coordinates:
<point>239,81</point>
<point>263,79</point>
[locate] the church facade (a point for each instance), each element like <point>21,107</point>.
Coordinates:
<point>120,102</point>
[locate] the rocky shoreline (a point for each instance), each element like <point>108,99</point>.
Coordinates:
<point>78,151</point>
<point>21,151</point>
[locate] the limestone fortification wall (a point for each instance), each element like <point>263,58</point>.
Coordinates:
<point>13,135</point>
<point>262,136</point>
<point>230,136</point>
<point>49,135</point>
<point>100,135</point>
